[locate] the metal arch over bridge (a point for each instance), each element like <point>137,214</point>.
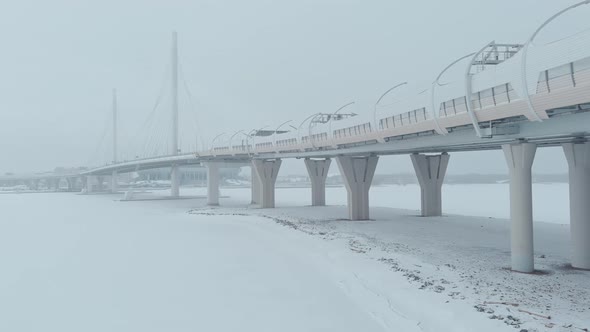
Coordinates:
<point>514,97</point>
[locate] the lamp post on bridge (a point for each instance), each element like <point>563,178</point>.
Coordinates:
<point>379,100</point>
<point>212,148</point>
<point>343,107</point>
<point>312,117</point>
<point>275,133</point>
<point>437,83</point>
<point>282,124</point>
<point>334,116</point>
<point>234,135</point>
<point>256,131</point>
<point>305,120</point>
<point>253,133</point>
<point>525,49</point>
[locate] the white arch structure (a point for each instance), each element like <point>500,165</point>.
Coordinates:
<point>525,50</point>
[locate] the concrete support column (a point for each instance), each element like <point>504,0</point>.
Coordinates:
<point>318,172</point>
<point>578,159</point>
<point>519,158</point>
<point>357,174</point>
<point>99,183</point>
<point>430,171</point>
<point>212,183</point>
<point>256,185</point>
<point>90,183</point>
<point>174,181</point>
<point>84,184</point>
<point>267,171</point>
<point>71,183</point>
<point>54,184</point>
<point>114,182</point>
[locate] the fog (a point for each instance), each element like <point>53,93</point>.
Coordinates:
<point>246,64</point>
<point>112,220</point>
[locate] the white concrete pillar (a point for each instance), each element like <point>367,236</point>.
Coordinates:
<point>430,171</point>
<point>84,184</point>
<point>267,171</point>
<point>318,172</point>
<point>71,183</point>
<point>256,192</point>
<point>519,158</point>
<point>99,183</point>
<point>55,183</point>
<point>357,174</point>
<point>114,182</point>
<point>89,183</point>
<point>578,159</point>
<point>212,183</point>
<point>174,181</point>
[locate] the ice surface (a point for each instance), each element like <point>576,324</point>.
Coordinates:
<point>93,263</point>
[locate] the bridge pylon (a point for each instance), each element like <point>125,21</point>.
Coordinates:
<point>174,173</point>
<point>578,159</point>
<point>519,157</point>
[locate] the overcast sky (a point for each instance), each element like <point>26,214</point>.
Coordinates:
<point>247,64</point>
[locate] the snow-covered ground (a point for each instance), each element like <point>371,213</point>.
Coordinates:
<point>93,263</point>
<point>550,201</point>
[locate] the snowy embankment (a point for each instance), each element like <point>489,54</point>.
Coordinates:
<point>91,263</point>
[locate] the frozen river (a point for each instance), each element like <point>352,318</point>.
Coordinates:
<point>86,263</point>
<point>550,201</point>
<point>93,263</point>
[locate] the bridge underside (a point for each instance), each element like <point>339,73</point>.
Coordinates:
<point>187,160</point>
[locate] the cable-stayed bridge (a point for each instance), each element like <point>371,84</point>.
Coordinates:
<point>514,97</point>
